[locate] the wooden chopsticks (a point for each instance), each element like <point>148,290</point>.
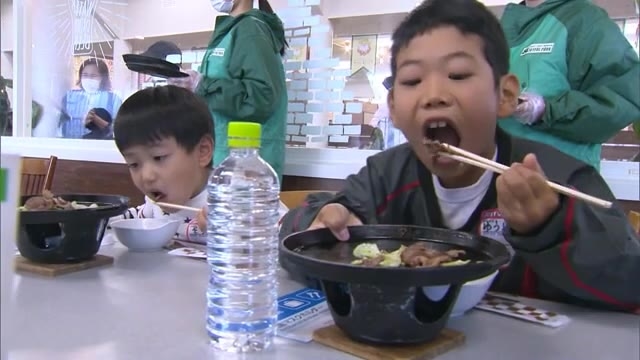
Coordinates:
<point>466,157</point>
<point>176,206</point>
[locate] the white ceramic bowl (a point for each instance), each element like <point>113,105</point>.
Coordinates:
<point>470,294</point>
<point>144,235</point>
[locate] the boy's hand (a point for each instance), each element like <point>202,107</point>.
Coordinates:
<point>202,220</point>
<point>335,217</point>
<point>524,198</point>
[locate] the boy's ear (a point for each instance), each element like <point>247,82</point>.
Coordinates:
<point>509,93</point>
<point>391,104</point>
<point>205,150</point>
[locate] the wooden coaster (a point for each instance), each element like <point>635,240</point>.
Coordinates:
<point>24,265</point>
<point>333,337</point>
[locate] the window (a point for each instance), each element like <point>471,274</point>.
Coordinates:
<point>631,31</point>
<point>75,64</point>
<point>336,95</point>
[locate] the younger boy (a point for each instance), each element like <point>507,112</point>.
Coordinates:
<point>165,136</point>
<point>450,65</point>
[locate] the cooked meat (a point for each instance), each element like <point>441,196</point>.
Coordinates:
<point>434,146</point>
<point>47,201</point>
<point>373,262</point>
<point>455,253</point>
<point>38,203</point>
<point>418,255</point>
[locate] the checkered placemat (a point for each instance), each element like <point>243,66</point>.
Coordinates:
<point>509,307</point>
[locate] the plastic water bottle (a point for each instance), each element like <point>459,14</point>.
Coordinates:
<point>242,246</point>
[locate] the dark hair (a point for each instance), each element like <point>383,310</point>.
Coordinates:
<point>468,16</point>
<point>103,70</point>
<point>264,5</point>
<point>156,113</point>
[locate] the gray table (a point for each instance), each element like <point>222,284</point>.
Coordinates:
<point>152,306</point>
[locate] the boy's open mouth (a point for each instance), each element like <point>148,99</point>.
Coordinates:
<point>441,130</point>
<point>156,195</point>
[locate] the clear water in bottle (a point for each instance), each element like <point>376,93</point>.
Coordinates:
<point>242,251</point>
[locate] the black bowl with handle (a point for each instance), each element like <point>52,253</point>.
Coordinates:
<point>386,305</point>
<point>63,236</point>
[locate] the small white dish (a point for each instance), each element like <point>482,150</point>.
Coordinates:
<point>470,294</point>
<point>145,235</point>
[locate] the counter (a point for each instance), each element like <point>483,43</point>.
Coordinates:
<point>622,177</point>
<point>152,306</point>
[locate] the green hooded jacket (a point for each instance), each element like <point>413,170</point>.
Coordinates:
<point>572,54</point>
<point>243,79</point>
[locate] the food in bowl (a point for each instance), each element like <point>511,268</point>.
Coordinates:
<point>145,235</point>
<point>48,201</point>
<point>415,255</point>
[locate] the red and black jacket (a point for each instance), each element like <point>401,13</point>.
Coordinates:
<point>583,255</point>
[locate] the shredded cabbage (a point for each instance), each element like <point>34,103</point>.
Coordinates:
<point>366,250</point>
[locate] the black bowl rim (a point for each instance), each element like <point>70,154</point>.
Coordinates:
<point>110,206</point>
<point>49,216</point>
<point>397,276</point>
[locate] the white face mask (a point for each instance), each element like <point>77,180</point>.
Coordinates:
<point>222,6</point>
<point>90,85</point>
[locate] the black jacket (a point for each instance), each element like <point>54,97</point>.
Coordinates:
<point>582,255</point>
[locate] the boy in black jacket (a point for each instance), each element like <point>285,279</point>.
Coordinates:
<point>450,66</point>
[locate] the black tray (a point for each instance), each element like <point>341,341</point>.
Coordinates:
<point>360,296</point>
<point>153,66</point>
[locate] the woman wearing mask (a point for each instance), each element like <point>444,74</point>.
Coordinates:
<point>243,76</point>
<point>94,92</point>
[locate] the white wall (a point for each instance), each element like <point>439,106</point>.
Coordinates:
<point>6,65</point>
<point>6,40</point>
<point>152,18</point>
<point>6,25</point>
<point>347,8</point>
<point>149,18</point>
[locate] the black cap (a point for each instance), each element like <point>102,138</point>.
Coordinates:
<point>161,49</point>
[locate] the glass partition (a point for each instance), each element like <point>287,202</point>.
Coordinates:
<point>75,78</point>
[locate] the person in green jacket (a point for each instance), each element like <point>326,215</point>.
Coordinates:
<point>243,76</point>
<point>579,75</point>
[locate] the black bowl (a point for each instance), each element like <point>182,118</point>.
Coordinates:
<point>63,236</point>
<point>384,305</point>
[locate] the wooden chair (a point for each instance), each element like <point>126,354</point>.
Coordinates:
<point>294,199</point>
<point>37,175</point>
<point>634,219</point>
